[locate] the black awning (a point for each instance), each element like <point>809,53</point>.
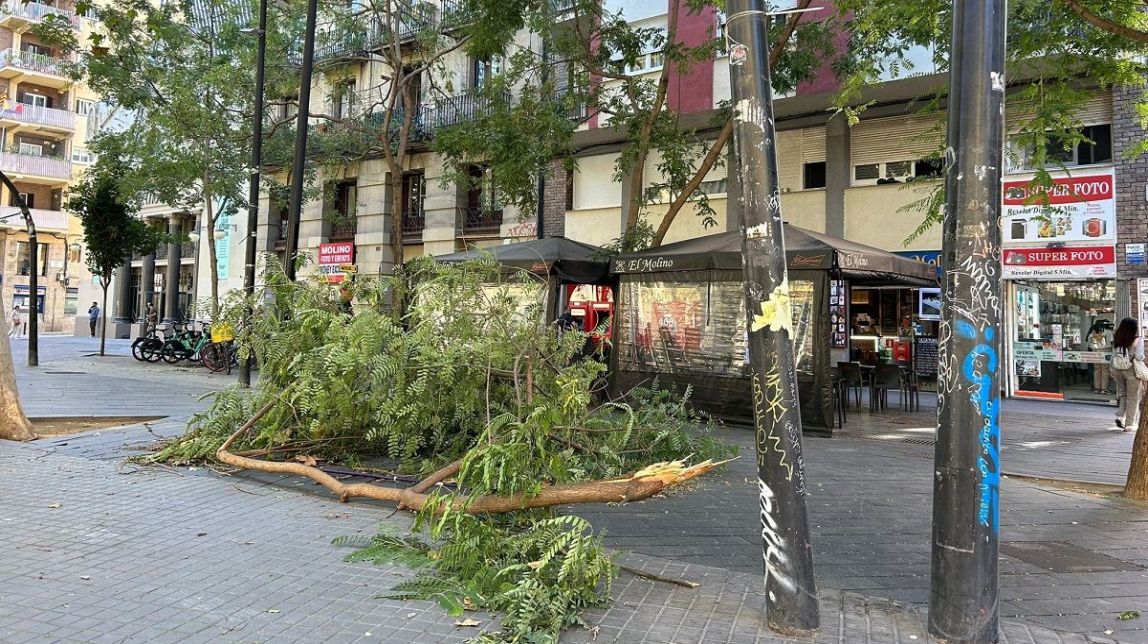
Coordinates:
<point>569,260</point>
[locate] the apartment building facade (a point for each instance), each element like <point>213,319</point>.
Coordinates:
<point>43,115</point>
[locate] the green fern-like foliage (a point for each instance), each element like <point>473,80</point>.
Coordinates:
<point>469,372</point>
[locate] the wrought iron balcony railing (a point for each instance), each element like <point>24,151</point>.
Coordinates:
<point>481,220</point>
<point>414,224</point>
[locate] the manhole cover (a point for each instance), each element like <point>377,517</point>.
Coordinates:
<point>1061,556</point>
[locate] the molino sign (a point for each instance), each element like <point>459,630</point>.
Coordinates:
<point>332,256</point>
<point>1081,208</point>
<point>1069,261</point>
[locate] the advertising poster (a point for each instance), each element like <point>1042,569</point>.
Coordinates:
<point>1080,208</point>
<point>839,313</point>
<point>1065,261</point>
<point>331,256</point>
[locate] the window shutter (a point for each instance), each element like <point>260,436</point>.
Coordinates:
<point>789,159</point>
<point>898,138</point>
<point>1097,110</point>
<point>813,145</point>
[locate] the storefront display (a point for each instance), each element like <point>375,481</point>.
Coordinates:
<point>1061,335</point>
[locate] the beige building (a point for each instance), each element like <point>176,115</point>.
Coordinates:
<point>42,117</point>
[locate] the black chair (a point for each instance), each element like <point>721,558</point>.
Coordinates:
<point>838,396</point>
<point>851,378</point>
<point>911,388</point>
<point>886,377</point>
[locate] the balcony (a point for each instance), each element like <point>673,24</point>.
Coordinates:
<point>38,117</point>
<point>45,219</point>
<point>457,110</point>
<point>343,228</point>
<point>481,221</point>
<point>19,15</point>
<point>413,225</point>
<point>38,68</point>
<point>335,42</point>
<point>30,168</point>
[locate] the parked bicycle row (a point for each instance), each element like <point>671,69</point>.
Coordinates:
<point>192,342</point>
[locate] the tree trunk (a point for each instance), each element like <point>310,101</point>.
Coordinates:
<point>395,179</point>
<point>1136,486</point>
<point>14,425</point>
<point>104,283</point>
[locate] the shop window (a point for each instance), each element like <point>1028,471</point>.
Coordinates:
<point>71,298</point>
<point>23,266</point>
<point>813,175</point>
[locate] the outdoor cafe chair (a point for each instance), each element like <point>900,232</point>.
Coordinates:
<point>886,377</point>
<point>851,377</point>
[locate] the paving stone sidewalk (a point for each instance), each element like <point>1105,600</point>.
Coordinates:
<point>1070,562</point>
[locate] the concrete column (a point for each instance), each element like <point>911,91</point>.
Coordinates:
<point>627,195</point>
<point>122,293</point>
<point>837,173</point>
<point>171,283</point>
<point>147,281</point>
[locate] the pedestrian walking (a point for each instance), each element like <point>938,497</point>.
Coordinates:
<point>16,318</point>
<point>1127,351</point>
<point>93,317</point>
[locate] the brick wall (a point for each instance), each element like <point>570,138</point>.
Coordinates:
<point>554,201</point>
<point>1131,182</point>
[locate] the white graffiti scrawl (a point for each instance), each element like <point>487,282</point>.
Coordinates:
<point>776,561</point>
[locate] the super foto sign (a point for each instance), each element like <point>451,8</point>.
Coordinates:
<point>1080,261</point>
<point>331,256</point>
<point>1072,209</point>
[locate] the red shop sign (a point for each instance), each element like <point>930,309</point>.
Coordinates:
<point>1065,261</point>
<point>1063,191</point>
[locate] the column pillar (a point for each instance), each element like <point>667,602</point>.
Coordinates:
<point>837,173</point>
<point>171,283</point>
<point>122,294</point>
<point>147,281</point>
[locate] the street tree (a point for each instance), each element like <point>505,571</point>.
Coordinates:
<point>112,232</point>
<point>596,64</point>
<point>184,70</point>
<point>14,424</point>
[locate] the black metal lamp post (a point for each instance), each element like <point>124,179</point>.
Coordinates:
<point>966,484</point>
<point>299,166</point>
<point>33,275</point>
<point>253,193</point>
<point>791,594</point>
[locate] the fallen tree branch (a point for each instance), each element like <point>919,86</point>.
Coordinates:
<point>655,577</point>
<point>438,476</point>
<point>641,485</point>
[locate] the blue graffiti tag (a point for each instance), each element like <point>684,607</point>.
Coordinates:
<point>982,375</point>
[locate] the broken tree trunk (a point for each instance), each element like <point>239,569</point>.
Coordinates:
<point>640,485</point>
<point>14,425</point>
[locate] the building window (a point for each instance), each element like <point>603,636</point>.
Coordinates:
<point>344,196</point>
<point>84,106</point>
<point>870,174</point>
<point>414,196</point>
<point>80,155</point>
<point>482,70</point>
<point>343,100</point>
<point>23,266</point>
<point>1095,147</point>
<point>29,199</point>
<point>651,60</point>
<point>813,175</point>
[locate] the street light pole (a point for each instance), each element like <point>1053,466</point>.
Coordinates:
<point>791,593</point>
<point>299,167</point>
<point>253,193</point>
<point>966,483</point>
<point>33,275</point>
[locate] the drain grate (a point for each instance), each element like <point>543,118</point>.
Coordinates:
<point>67,373</point>
<point>919,441</point>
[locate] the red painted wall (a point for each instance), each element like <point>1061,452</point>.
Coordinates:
<point>825,80</point>
<point>693,91</point>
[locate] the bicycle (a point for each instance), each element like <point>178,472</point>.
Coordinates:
<point>186,344</point>
<point>146,347</point>
<point>220,354</point>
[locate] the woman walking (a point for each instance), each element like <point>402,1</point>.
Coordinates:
<point>1127,348</point>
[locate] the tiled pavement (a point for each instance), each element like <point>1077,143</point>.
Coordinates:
<point>1076,561</point>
